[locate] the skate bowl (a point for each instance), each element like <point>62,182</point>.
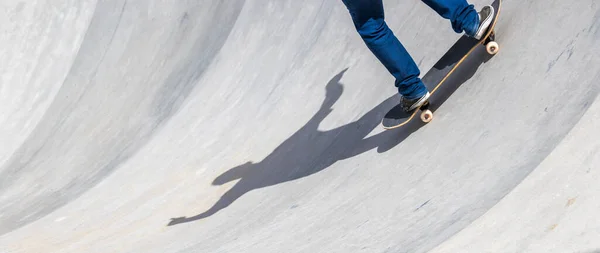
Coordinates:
<point>254,126</point>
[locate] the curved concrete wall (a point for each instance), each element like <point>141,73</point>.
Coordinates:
<point>253,126</point>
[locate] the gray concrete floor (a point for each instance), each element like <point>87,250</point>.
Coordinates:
<point>253,126</point>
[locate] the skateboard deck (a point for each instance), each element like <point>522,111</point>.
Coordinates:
<point>443,69</point>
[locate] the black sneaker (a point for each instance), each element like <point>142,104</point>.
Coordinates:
<point>410,104</point>
<point>485,19</point>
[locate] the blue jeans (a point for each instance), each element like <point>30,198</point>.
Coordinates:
<point>368,18</point>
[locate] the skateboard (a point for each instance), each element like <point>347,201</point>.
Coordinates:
<point>443,69</point>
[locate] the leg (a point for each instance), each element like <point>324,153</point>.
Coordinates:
<point>461,14</point>
<point>368,18</point>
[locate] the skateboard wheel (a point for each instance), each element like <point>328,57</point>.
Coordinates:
<point>426,116</point>
<point>492,47</point>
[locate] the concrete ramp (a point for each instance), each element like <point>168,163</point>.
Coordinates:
<point>253,126</point>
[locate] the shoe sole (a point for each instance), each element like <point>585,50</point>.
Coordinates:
<point>420,102</point>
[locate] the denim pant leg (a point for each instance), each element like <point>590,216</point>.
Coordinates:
<point>368,18</point>
<point>461,14</point>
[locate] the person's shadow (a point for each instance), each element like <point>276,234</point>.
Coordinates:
<point>309,150</point>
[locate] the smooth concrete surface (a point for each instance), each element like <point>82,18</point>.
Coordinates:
<point>253,126</point>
